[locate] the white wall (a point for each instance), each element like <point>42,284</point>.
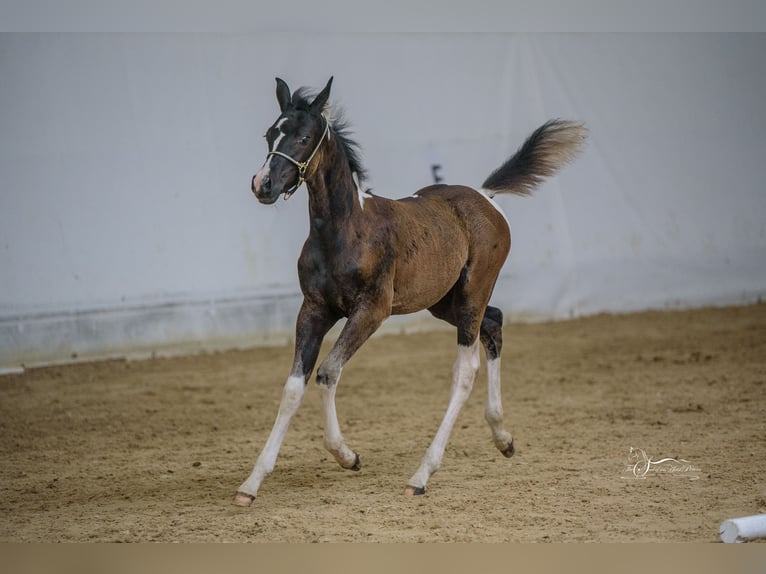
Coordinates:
<point>127,223</point>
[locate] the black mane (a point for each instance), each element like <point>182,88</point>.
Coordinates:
<point>341,129</point>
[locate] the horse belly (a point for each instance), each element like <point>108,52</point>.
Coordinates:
<point>413,302</point>
<point>423,280</point>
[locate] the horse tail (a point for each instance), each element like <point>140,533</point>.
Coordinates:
<point>550,147</point>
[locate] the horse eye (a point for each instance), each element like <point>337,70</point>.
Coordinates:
<point>305,139</point>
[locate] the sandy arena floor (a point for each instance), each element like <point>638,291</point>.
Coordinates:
<point>154,450</point>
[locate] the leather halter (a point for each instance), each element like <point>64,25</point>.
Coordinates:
<point>301,165</point>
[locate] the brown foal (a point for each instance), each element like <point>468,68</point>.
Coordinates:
<point>367,258</point>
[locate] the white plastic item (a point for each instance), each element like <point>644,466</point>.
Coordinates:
<point>744,528</point>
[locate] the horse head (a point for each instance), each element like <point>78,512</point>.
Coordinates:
<point>293,141</point>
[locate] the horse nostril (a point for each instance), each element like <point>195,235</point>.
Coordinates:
<point>266,182</point>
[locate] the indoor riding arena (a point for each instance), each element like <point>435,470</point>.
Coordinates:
<point>162,310</point>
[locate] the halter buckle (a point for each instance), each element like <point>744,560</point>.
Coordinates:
<point>302,167</point>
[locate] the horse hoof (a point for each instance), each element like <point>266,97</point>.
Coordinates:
<point>414,490</point>
<point>242,499</point>
<point>509,450</point>
<point>357,464</point>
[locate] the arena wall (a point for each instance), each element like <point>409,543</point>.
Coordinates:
<point>127,225</point>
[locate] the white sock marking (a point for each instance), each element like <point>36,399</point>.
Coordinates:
<point>494,409</point>
<point>292,395</point>
<point>333,438</point>
<point>463,375</point>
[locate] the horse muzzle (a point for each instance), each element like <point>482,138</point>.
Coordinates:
<point>263,188</point>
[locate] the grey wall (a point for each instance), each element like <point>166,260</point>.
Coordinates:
<point>127,224</point>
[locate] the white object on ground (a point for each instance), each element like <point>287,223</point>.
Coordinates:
<point>744,528</point>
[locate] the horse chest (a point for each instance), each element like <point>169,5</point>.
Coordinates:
<point>342,280</point>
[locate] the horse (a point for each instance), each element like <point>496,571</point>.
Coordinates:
<point>368,257</point>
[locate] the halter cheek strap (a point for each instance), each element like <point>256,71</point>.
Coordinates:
<point>301,165</point>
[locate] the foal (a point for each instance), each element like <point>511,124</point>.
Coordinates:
<point>368,257</point>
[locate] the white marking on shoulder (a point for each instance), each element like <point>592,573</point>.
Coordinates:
<point>485,194</point>
<point>328,118</point>
<point>359,190</point>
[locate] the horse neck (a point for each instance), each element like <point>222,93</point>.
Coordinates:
<point>333,205</point>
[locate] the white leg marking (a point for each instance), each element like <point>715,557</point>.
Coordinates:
<point>333,439</point>
<point>463,375</point>
<point>292,395</point>
<point>494,410</point>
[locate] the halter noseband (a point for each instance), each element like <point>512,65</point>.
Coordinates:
<point>301,165</point>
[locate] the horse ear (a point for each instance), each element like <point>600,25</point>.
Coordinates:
<point>321,100</point>
<point>283,94</point>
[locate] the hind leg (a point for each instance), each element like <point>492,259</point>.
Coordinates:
<point>464,309</point>
<point>492,340</point>
<point>463,375</point>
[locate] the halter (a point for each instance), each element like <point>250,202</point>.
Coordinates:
<point>301,165</point>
